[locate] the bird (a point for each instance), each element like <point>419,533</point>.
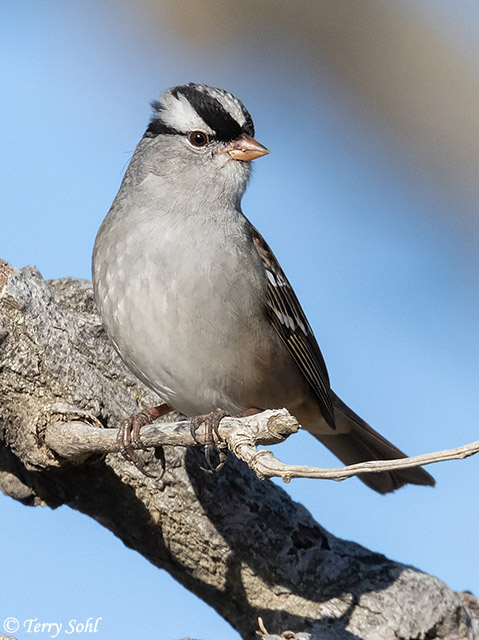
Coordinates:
<point>195,301</point>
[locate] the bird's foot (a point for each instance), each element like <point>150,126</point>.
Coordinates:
<point>211,422</point>
<point>128,437</point>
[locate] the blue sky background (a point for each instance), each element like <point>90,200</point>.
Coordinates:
<point>387,278</point>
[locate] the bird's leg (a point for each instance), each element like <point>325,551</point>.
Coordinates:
<point>211,422</point>
<point>128,437</point>
<point>249,412</point>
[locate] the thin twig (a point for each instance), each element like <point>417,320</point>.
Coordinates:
<point>266,465</point>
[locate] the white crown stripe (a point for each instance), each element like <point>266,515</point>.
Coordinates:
<point>229,103</point>
<point>180,115</point>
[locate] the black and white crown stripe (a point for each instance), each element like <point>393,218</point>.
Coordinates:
<point>289,320</point>
<point>193,107</point>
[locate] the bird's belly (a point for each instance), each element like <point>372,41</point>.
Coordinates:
<point>193,341</point>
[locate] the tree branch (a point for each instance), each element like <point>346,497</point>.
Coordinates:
<point>77,440</point>
<point>240,544</point>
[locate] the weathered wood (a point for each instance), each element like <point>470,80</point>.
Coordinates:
<point>77,440</point>
<point>239,543</point>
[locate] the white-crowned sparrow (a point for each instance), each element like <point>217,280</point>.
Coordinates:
<point>193,298</point>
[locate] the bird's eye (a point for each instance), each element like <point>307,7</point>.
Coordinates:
<point>198,138</point>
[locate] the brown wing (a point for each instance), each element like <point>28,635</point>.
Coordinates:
<point>289,320</point>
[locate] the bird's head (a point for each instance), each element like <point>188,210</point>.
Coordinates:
<point>202,138</point>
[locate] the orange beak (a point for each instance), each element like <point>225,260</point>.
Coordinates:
<point>245,148</point>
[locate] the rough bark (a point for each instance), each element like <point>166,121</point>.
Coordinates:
<point>288,569</point>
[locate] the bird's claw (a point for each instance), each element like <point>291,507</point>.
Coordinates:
<point>128,438</point>
<point>211,422</point>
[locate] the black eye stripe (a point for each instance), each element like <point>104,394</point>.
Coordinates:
<point>157,126</point>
